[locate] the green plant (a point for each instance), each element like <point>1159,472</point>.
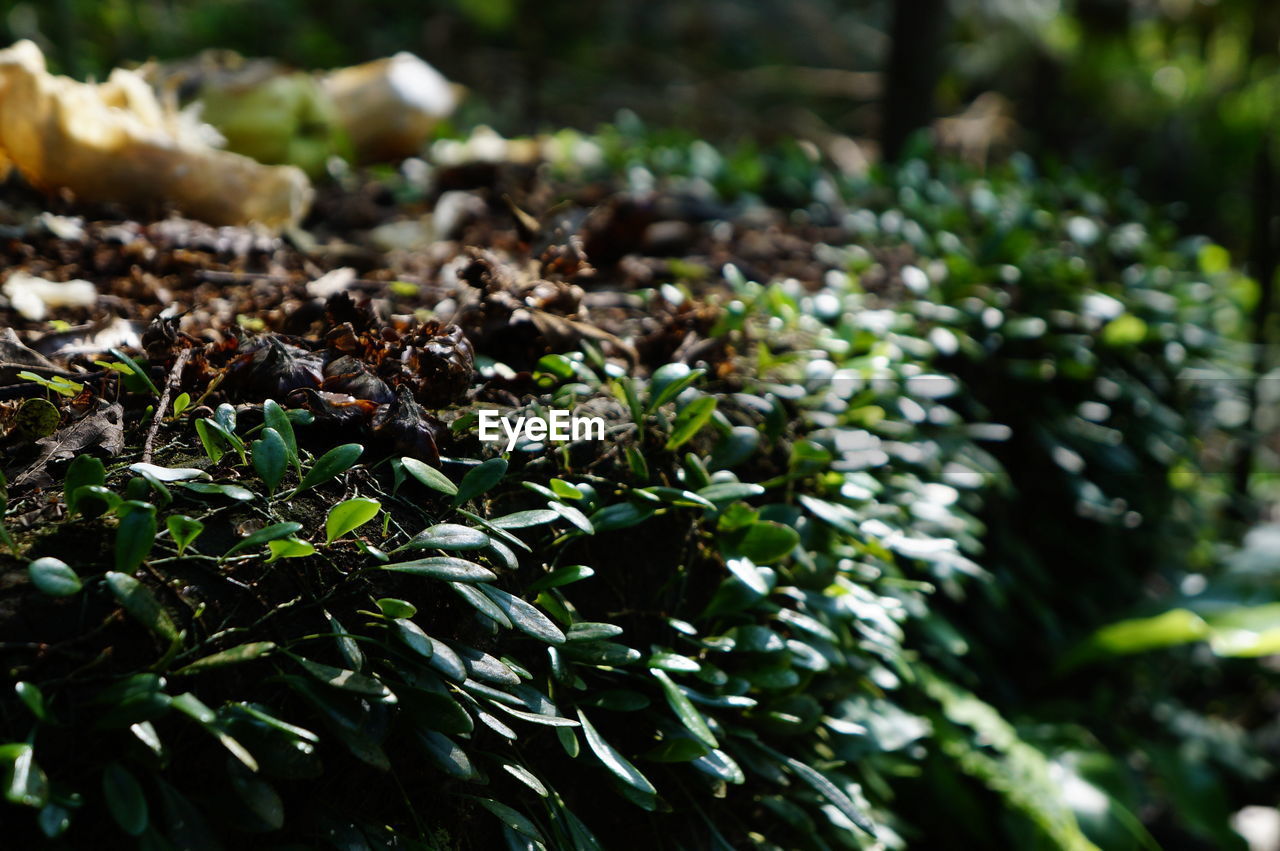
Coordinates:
<point>797,600</point>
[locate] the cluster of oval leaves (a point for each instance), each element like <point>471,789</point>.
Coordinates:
<point>782,665</point>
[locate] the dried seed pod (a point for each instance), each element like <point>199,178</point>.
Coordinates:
<point>273,368</point>
<point>333,409</point>
<point>555,297</point>
<point>341,308</point>
<point>348,375</point>
<point>161,337</point>
<point>439,363</point>
<point>566,261</point>
<point>408,428</point>
<point>343,338</point>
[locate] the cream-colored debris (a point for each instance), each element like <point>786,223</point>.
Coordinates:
<point>114,142</point>
<point>34,297</point>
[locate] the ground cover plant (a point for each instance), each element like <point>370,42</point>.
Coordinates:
<point>898,473</point>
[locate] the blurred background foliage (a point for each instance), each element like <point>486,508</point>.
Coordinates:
<point>1178,93</point>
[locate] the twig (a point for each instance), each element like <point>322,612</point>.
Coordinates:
<point>175,377</point>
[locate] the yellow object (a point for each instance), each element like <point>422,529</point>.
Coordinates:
<point>114,142</point>
<point>389,107</point>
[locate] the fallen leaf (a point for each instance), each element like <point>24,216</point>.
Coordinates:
<point>103,428</point>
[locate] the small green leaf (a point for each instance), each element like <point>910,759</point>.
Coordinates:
<point>446,754</point>
<point>141,604</point>
<point>614,761</point>
<point>273,532</point>
<point>842,517</point>
<point>620,516</point>
<point>1137,635</point>
<point>532,717</point>
<point>270,457</point>
<point>448,536</point>
<point>609,653</point>
<point>30,694</point>
<point>128,701</point>
<point>568,741</point>
<point>512,819</point>
<point>734,448</point>
<point>396,609</point>
<point>678,496</point>
<point>690,421</point>
<point>485,667</point>
<point>84,470</point>
<point>413,636</point>
<point>211,440</point>
<point>504,554</point>
<point>444,567</point>
<point>764,541</point>
<point>826,789</point>
<point>443,657</point>
<point>588,631</point>
<point>348,516</point>
<point>747,571</point>
<point>526,777</point>
<point>565,490</point>
<point>183,530</point>
<point>191,706</point>
<point>726,492</point>
<point>54,577</point>
<point>348,647</point>
<point>480,479</point>
<point>181,404</point>
<point>259,713</point>
<point>275,417</point>
<point>147,488</point>
<point>1124,330</point>
<point>95,500</point>
<point>289,548</point>
<point>525,519</point>
<point>345,680</point>
<point>125,801</point>
<point>494,532</point>
<point>625,390</point>
<point>562,576</point>
<point>481,603</point>
<point>684,709</point>
<point>668,381</point>
<point>720,765</point>
<point>135,535</point>
<point>208,488</point>
<point>333,463</point>
<point>571,513</point>
<point>429,476</point>
<point>234,656</point>
<point>23,782</point>
<point>136,370</point>
<point>57,384</point>
<point>558,365</point>
<point>637,463</point>
<point>524,616</point>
